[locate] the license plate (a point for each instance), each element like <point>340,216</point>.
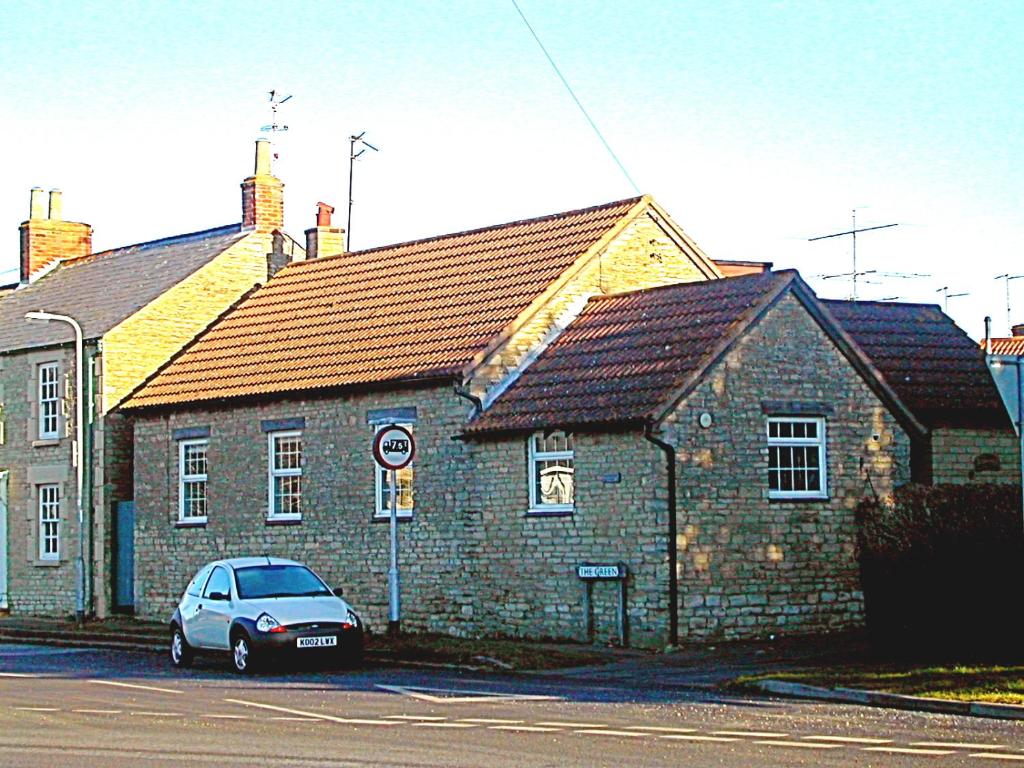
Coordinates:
<point>316,642</point>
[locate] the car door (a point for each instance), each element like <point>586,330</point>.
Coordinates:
<point>188,608</point>
<point>212,618</point>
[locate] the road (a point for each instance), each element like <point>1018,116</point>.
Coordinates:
<point>101,708</point>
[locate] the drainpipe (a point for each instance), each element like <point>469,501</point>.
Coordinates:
<point>988,335</point>
<point>478,404</point>
<point>673,578</point>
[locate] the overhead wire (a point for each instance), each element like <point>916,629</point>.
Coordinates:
<point>579,104</point>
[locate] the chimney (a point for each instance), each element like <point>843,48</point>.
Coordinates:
<point>1018,329</point>
<point>323,239</point>
<point>262,194</point>
<point>46,237</point>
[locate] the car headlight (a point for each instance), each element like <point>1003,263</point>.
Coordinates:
<point>267,623</point>
<point>352,618</point>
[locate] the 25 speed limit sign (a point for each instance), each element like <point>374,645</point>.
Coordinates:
<point>393,447</point>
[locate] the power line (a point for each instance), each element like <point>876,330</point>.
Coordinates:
<point>568,87</point>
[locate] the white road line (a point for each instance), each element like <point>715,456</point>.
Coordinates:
<point>752,734</point>
<point>694,737</point>
<point>524,728</point>
<point>909,751</point>
<point>285,718</point>
<point>420,718</point>
<point>660,729</point>
<point>609,732</point>
<point>98,711</point>
<point>847,739</point>
<point>564,724</point>
<point>800,744</point>
<point>997,756</point>
<point>443,725</point>
<point>488,721</point>
<point>16,674</point>
<point>463,696</point>
<point>314,715</point>
<point>157,714</point>
<point>135,686</point>
<point>955,745</point>
<point>38,709</point>
<point>228,717</point>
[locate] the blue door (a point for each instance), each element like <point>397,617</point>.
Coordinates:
<point>125,560</point>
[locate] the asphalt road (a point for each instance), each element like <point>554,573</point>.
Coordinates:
<point>69,707</point>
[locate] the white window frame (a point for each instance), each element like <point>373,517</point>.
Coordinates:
<point>380,486</point>
<point>273,474</point>
<point>49,515</point>
<point>534,457</point>
<point>184,478</point>
<point>48,391</point>
<point>820,442</point>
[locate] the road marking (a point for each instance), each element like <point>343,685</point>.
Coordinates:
<point>156,714</point>
<point>563,724</point>
<point>995,756</point>
<point>443,725</point>
<point>687,737</point>
<point>425,718</point>
<point>955,745</point>
<point>98,711</point>
<point>228,717</point>
<point>285,718</point>
<point>752,734</point>
<point>525,728</point>
<point>909,751</point>
<point>459,695</point>
<point>16,674</point>
<point>800,744</point>
<point>488,721</point>
<point>847,739</point>
<point>38,709</point>
<point>134,686</point>
<point>609,732</point>
<point>314,715</point>
<point>660,729</point>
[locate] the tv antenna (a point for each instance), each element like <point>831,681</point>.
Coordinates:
<point>853,274</point>
<point>946,296</point>
<point>1008,277</point>
<point>352,157</point>
<point>276,99</point>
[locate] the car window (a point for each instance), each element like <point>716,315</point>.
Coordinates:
<point>219,582</point>
<point>195,587</point>
<point>260,581</point>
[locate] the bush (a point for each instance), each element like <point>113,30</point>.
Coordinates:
<point>942,569</point>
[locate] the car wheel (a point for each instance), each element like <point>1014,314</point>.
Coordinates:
<point>241,654</point>
<point>181,651</point>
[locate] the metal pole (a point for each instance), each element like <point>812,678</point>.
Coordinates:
<point>351,164</point>
<point>1020,431</point>
<point>394,610</point>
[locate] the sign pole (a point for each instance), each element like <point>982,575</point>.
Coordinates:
<point>394,611</point>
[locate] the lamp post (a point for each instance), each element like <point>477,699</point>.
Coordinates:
<point>79,456</point>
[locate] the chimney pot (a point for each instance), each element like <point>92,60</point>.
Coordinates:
<point>56,205</point>
<point>323,214</point>
<point>262,158</point>
<point>1018,329</point>
<point>262,194</point>
<point>37,203</point>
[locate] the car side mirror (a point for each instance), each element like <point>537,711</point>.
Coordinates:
<point>338,591</point>
<point>219,596</point>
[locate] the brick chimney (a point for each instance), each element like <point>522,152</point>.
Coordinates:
<point>323,239</point>
<point>46,237</point>
<point>262,194</point>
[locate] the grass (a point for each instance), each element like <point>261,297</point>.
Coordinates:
<point>990,683</point>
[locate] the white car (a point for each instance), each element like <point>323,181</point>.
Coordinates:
<point>257,607</point>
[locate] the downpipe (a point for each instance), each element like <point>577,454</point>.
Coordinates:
<point>673,578</point>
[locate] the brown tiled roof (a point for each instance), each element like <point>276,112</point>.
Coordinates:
<point>627,355</point>
<point>103,289</point>
<point>934,367</point>
<point>1011,345</point>
<point>410,311</point>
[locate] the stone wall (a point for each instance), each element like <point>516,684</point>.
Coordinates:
<point>975,456</point>
<point>749,566</point>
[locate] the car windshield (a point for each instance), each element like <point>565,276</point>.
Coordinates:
<point>261,581</point>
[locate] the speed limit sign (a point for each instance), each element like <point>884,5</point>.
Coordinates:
<point>393,447</point>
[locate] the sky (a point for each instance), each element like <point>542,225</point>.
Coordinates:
<point>756,125</point>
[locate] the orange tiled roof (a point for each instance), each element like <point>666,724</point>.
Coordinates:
<point>1013,345</point>
<point>410,311</point>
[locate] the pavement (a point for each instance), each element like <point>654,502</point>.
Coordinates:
<point>706,667</point>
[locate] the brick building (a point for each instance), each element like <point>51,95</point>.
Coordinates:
<point>136,306</point>
<point>586,387</point>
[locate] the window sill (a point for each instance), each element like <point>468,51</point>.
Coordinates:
<point>47,563</point>
<point>797,499</point>
<point>401,517</point>
<point>540,512</point>
<point>198,523</point>
<point>46,443</point>
<point>284,521</point>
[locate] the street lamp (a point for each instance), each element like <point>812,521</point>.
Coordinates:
<point>79,453</point>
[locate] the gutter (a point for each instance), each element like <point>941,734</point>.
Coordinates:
<point>673,577</point>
